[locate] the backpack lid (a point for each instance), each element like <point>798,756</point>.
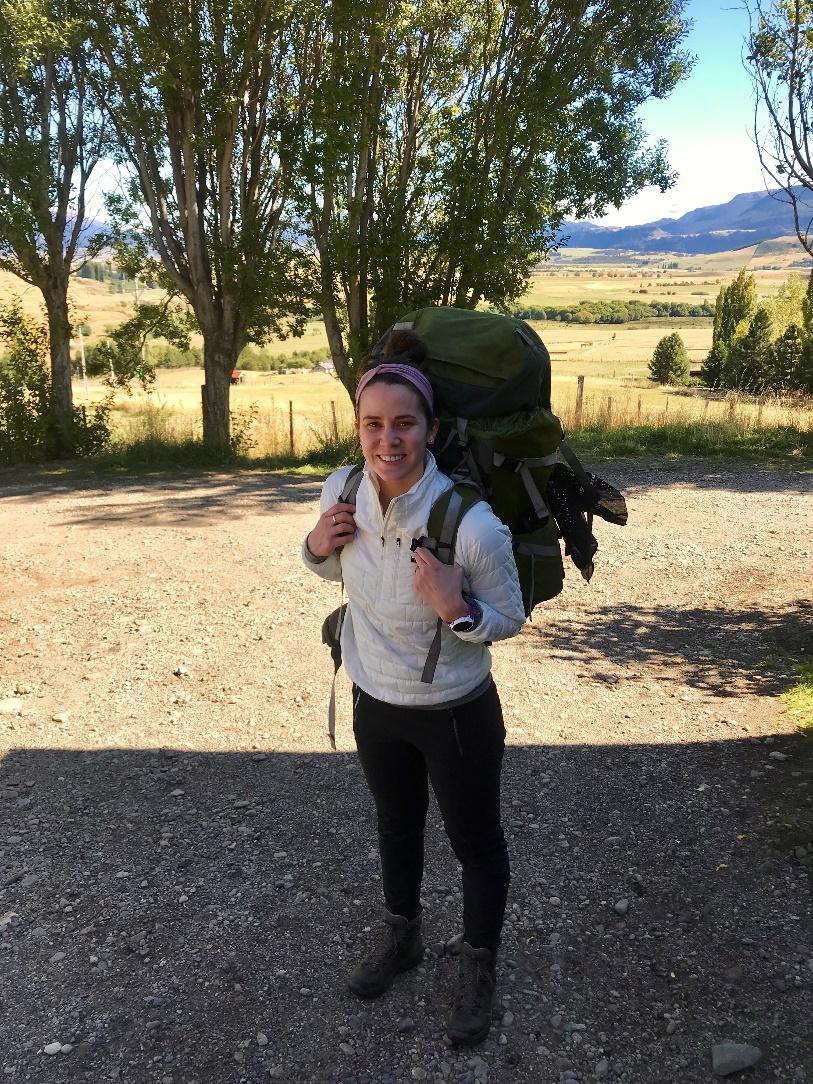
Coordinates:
<point>481,364</point>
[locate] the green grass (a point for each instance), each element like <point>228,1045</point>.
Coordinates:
<point>798,699</point>
<point>780,446</point>
<point>722,440</point>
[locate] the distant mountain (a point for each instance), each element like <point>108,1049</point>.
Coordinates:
<point>745,220</point>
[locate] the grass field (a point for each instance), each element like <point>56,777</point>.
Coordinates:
<point>612,358</point>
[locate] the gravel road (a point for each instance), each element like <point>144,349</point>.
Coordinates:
<point>186,870</point>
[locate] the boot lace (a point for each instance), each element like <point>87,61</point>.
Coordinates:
<point>472,991</point>
<point>382,946</point>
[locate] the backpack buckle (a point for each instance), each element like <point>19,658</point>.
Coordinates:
<point>508,462</point>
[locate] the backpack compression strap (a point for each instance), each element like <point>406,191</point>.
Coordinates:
<point>445,518</point>
<point>334,630</point>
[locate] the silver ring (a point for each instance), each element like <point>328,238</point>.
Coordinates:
<point>334,519</point>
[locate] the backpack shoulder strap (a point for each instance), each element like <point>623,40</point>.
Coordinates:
<point>445,518</point>
<point>332,626</point>
<point>351,485</point>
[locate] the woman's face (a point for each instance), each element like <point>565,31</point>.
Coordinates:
<point>393,431</point>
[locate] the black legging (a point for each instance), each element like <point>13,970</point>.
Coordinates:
<point>460,750</point>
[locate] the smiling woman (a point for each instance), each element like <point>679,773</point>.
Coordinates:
<point>415,723</point>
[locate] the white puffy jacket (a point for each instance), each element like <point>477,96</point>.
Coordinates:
<point>389,629</point>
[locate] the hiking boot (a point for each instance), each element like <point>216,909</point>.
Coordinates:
<point>397,946</point>
<point>473,999</point>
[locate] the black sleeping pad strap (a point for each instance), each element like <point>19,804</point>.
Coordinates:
<point>572,461</point>
<point>444,521</point>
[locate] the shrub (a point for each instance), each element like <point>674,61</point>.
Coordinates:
<point>28,430</point>
<point>670,362</point>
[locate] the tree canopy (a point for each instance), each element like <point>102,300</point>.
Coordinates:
<point>447,141</point>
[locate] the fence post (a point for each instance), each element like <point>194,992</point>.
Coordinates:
<point>732,406</point>
<point>639,409</point>
<point>667,404</point>
<point>609,412</point>
<point>705,410</point>
<point>579,401</point>
<point>82,356</point>
<point>759,413</point>
<point>335,421</point>
<point>291,426</point>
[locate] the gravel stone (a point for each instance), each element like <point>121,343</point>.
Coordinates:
<point>728,1058</point>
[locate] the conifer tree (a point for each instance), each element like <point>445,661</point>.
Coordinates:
<point>787,355</point>
<point>750,359</point>
<point>670,362</point>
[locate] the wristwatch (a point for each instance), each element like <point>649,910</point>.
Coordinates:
<point>468,621</point>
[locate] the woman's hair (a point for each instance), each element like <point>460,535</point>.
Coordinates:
<point>406,346</point>
<point>403,347</point>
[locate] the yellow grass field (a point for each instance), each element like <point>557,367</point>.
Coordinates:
<point>612,358</point>
<point>616,391</point>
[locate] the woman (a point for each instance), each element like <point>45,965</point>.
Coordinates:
<point>449,732</point>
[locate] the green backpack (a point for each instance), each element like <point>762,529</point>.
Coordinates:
<point>491,376</point>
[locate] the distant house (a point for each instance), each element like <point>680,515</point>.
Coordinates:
<point>237,377</point>
<point>326,366</point>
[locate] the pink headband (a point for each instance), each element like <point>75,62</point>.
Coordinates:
<point>415,377</point>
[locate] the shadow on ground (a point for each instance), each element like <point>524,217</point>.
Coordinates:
<point>725,651</point>
<point>168,907</point>
<point>171,500</point>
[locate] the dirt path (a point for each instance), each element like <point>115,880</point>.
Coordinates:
<point>190,870</point>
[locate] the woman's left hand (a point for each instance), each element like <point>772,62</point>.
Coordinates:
<point>439,585</point>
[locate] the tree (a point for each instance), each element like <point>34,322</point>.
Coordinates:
<point>750,359</point>
<point>786,306</point>
<point>447,140</point>
<point>712,369</point>
<point>735,307</point>
<point>206,103</point>
<point>780,57</point>
<point>802,376</point>
<point>51,139</point>
<point>670,362</point>
<point>787,357</point>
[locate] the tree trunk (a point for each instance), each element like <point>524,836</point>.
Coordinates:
<point>338,354</point>
<point>59,330</point>
<point>219,359</point>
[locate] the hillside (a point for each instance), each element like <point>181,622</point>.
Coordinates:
<point>747,219</point>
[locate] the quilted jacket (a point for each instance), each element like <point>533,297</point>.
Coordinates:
<point>389,629</point>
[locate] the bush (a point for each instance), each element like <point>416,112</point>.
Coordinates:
<point>670,362</point>
<point>28,429</point>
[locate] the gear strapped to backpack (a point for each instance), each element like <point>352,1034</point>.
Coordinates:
<point>498,441</point>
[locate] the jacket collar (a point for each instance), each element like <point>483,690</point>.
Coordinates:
<point>406,501</point>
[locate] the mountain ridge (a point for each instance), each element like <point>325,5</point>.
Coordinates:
<point>746,219</point>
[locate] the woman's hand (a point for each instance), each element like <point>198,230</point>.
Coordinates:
<point>439,585</point>
<point>336,527</point>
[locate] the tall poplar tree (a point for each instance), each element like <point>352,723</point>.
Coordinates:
<point>207,105</point>
<point>448,140</point>
<point>51,139</point>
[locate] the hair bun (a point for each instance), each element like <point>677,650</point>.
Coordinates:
<point>407,346</point>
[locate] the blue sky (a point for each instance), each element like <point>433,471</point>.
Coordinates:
<point>707,122</point>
